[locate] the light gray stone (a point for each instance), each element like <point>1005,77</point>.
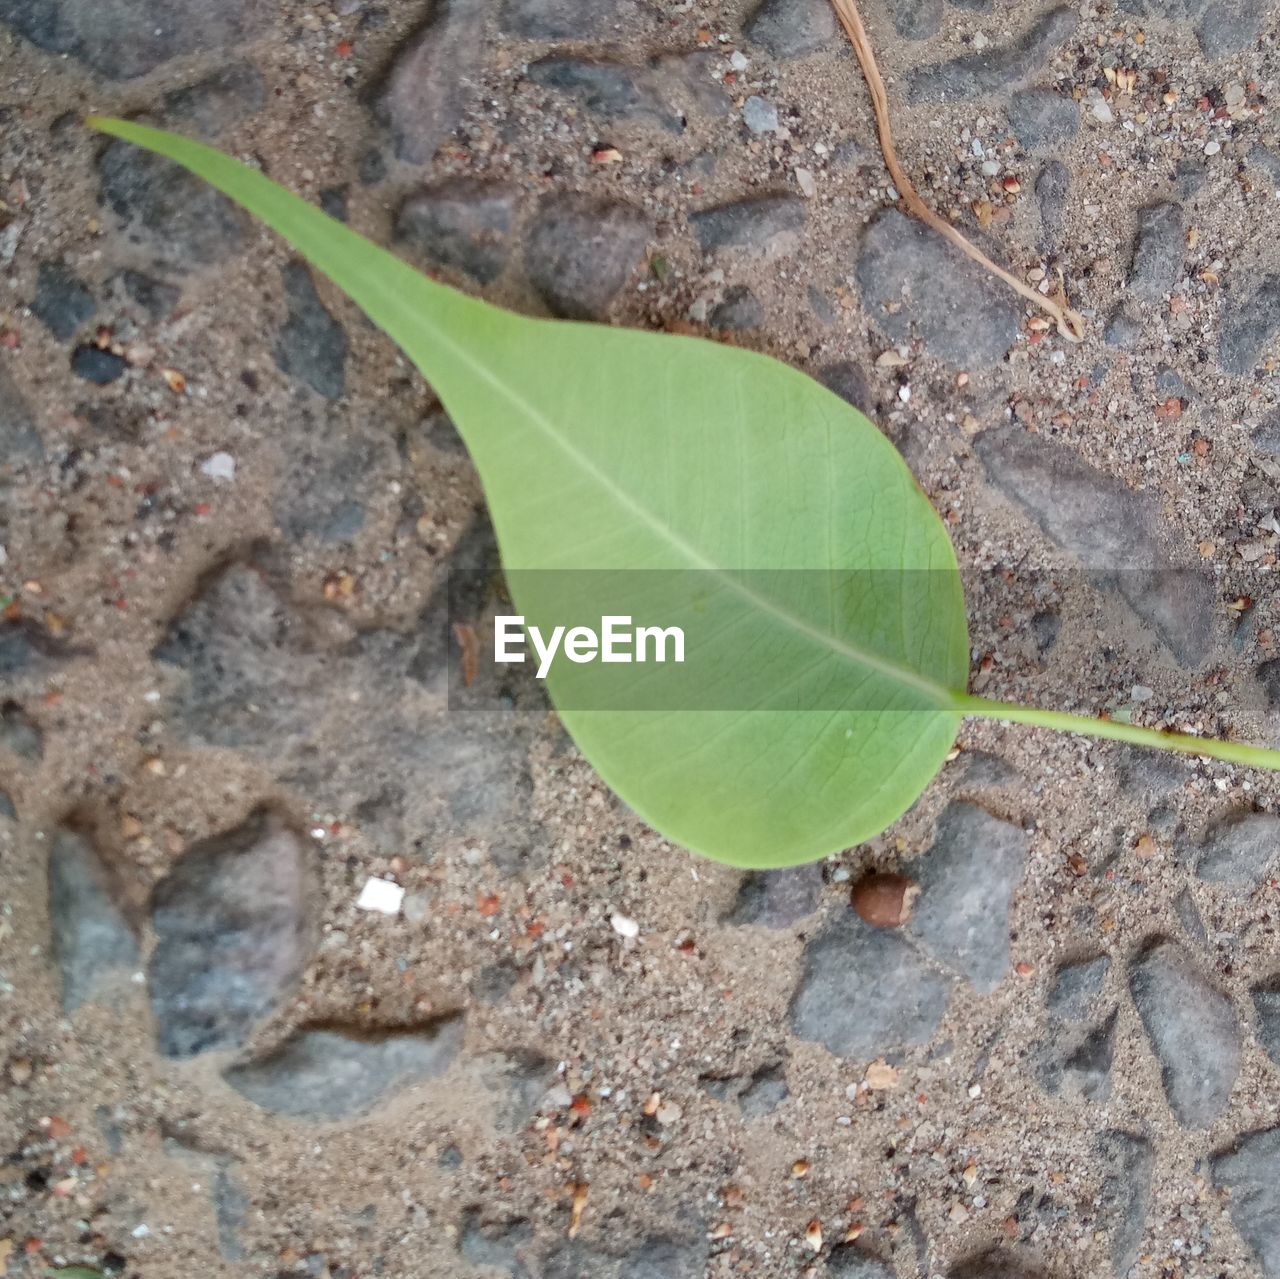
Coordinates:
<point>1239,850</point>
<point>1128,1161</point>
<point>231,930</point>
<point>1250,1174</point>
<point>331,1075</point>
<point>914,284</point>
<point>1076,987</point>
<point>966,884</point>
<point>865,990</point>
<point>1193,1030</point>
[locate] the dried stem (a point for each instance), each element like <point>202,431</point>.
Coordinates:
<point>1070,323</point>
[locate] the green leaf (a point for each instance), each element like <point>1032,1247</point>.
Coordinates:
<point>614,450</point>
<point>73,1272</point>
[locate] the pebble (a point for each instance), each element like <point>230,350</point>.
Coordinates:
<point>1193,1030</point>
<point>1076,987</point>
<point>805,181</point>
<point>426,91</point>
<point>1128,1160</point>
<point>1239,851</point>
<point>19,437</point>
<point>765,225</point>
<point>63,302</point>
<point>1042,119</point>
<point>624,925</point>
<point>914,284</point>
<point>566,19</point>
<point>230,923</point>
<point>1250,1174</point>
<point>312,345</point>
<point>1158,251</point>
<point>739,310</point>
<point>130,38</point>
<point>792,28</point>
<point>778,898</point>
<point>92,943</point>
<point>380,895</point>
<point>760,115</point>
<point>219,466</point>
<point>916,19</point>
<point>326,1075</point>
<point>1000,67</point>
<point>864,991</point>
<point>97,366</point>
<point>1249,322</point>
<point>581,252</point>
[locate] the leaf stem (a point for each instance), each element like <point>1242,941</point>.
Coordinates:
<point>1113,730</point>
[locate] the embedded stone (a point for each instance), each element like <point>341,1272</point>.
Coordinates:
<point>312,346</point>
<point>765,225</point>
<point>1239,850</point>
<point>1248,325</point>
<point>1076,987</point>
<point>916,285</point>
<point>835,1003</point>
<point>1043,119</point>
<point>462,223</point>
<point>792,28</point>
<point>321,1075</point>
<point>1193,1031</point>
<point>231,927</point>
<point>1157,251</point>
<point>1250,1174</point>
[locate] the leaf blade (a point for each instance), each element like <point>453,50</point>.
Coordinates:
<point>609,449</point>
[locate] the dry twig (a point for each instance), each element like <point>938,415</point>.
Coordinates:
<point>1070,323</point>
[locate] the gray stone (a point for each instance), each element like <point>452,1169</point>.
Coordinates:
<point>517,1083</point>
<point>1266,435</point>
<point>740,309</point>
<point>1168,382</point>
<point>846,379</point>
<point>778,898</point>
<point>651,1258</point>
<point>155,297</point>
<point>1076,987</point>
<point>1267,160</point>
<point>7,810</point>
<point>19,733</point>
<point>1157,251</point>
<point>916,19</point>
<point>994,69</point>
<point>1266,1004</point>
<point>1110,528</point>
<point>323,478</point>
<point>19,440</point>
<point>28,652</point>
<point>849,1261</point>
<point>664,92</point>
<point>213,106</point>
<point>92,943</point>
<point>998,1265</point>
<point>1128,1162</point>
<point>567,19</point>
<point>62,302</point>
<point>758,1095</point>
<point>581,252</point>
<point>322,1074</point>
<point>966,885</point>
<point>1184,907</point>
<point>121,39</point>
<point>502,1245</point>
<point>427,90</point>
<point>462,223</point>
<point>98,366</point>
<point>865,990</point>
<point>1230,26</point>
<point>982,770</point>
<point>767,225</point>
<point>312,346</point>
<point>1053,186</point>
<point>1250,1174</point>
<point>915,284</point>
<point>760,115</point>
<point>231,928</point>
<point>1124,328</point>
<point>1193,1031</point>
<point>792,28</point>
<point>1077,1067</point>
<point>178,218</point>
<point>1239,850</point>
<point>1248,325</point>
<point>1043,119</point>
<point>1268,676</point>
<point>230,1213</point>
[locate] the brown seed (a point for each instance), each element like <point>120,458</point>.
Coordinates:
<point>884,899</point>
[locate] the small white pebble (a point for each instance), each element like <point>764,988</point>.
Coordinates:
<point>221,466</point>
<point>624,925</point>
<point>760,115</point>
<point>1212,148</point>
<point>975,1090</point>
<point>380,895</point>
<point>141,1232</point>
<point>904,393</point>
<point>739,60</point>
<point>990,168</point>
<point>1141,693</point>
<point>804,180</point>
